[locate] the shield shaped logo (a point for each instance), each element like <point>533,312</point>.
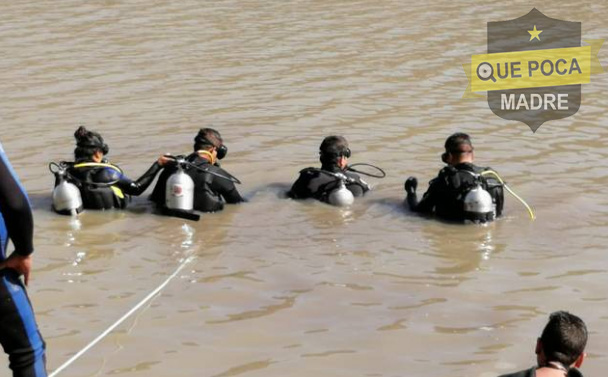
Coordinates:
<point>532,32</point>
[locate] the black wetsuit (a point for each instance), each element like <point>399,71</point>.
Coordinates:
<point>19,333</point>
<point>572,372</point>
<point>444,196</point>
<point>104,186</point>
<point>314,183</point>
<point>210,191</point>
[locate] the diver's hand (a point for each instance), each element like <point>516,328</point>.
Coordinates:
<point>164,160</point>
<point>411,184</point>
<point>19,263</point>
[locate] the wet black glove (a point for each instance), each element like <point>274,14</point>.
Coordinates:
<point>410,185</point>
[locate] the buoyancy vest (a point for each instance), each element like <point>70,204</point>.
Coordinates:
<point>459,181</point>
<point>97,182</point>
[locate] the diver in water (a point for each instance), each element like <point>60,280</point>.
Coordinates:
<point>213,186</point>
<point>462,190</point>
<point>103,185</point>
<point>320,183</point>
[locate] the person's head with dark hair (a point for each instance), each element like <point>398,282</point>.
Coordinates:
<point>208,143</point>
<point>563,341</point>
<point>89,145</point>
<point>334,151</point>
<point>458,149</point>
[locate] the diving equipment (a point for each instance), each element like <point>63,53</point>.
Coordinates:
<point>478,205</point>
<point>341,196</point>
<point>66,196</point>
<point>179,192</point>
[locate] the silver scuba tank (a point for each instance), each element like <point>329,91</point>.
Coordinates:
<point>179,191</point>
<point>478,205</point>
<point>66,196</point>
<point>341,196</point>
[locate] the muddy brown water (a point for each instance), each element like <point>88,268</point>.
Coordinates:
<point>283,288</point>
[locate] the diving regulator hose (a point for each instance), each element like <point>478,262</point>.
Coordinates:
<point>495,174</point>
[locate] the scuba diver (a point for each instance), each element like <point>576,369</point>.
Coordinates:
<point>335,182</point>
<point>462,191</point>
<point>197,181</point>
<point>100,184</point>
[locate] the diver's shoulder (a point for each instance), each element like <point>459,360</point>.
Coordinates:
<point>352,175</point>
<point>309,171</point>
<point>465,166</point>
<point>217,169</point>
<point>530,372</point>
<point>89,164</point>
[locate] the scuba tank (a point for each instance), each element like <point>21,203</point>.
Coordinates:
<point>66,196</point>
<point>179,191</point>
<point>478,205</point>
<point>341,196</point>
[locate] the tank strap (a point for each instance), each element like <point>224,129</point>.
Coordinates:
<point>97,165</point>
<point>117,191</point>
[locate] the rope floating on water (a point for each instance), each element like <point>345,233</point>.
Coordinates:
<point>122,319</point>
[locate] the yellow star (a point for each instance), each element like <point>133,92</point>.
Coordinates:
<point>534,33</point>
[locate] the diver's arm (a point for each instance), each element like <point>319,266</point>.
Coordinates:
<point>496,189</point>
<point>295,191</point>
<point>427,204</point>
<point>227,190</point>
<point>232,196</point>
<point>365,186</point>
<point>411,200</point>
<point>18,219</point>
<point>158,193</point>
<point>500,201</point>
<point>498,195</point>
<point>136,188</point>
<point>16,211</point>
<point>299,189</point>
<point>358,187</point>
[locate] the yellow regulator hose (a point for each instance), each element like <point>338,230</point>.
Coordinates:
<point>495,174</point>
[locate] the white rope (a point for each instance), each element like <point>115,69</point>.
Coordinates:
<point>122,319</point>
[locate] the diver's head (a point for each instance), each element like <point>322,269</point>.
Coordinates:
<point>89,145</point>
<point>458,149</point>
<point>208,143</point>
<point>334,151</point>
<point>563,340</point>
